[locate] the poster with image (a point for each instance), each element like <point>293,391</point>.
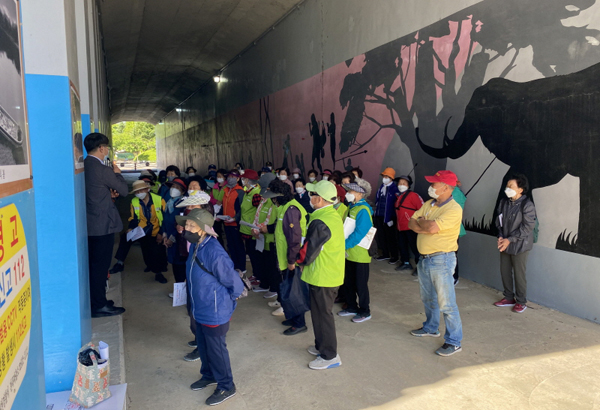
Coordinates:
<point>14,144</point>
<point>76,129</point>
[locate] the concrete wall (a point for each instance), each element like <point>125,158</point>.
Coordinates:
<point>58,75</point>
<point>343,83</point>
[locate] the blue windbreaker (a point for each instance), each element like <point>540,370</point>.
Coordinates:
<point>213,296</point>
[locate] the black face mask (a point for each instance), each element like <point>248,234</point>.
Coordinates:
<point>191,237</point>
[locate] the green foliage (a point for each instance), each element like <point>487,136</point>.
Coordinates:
<point>134,137</point>
<point>149,155</point>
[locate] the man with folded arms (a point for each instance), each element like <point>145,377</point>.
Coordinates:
<point>437,224</point>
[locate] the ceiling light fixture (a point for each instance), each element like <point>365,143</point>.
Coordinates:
<point>217,78</point>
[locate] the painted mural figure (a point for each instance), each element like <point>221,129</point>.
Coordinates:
<point>318,150</point>
<point>530,127</point>
<point>331,132</point>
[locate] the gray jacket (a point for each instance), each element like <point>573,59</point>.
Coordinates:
<point>102,215</point>
<point>518,221</point>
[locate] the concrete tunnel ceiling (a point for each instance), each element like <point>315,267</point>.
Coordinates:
<point>158,52</point>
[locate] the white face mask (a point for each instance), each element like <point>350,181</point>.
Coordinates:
<point>283,177</point>
<point>299,190</point>
<point>432,193</point>
<point>311,204</point>
<point>175,193</point>
<point>311,179</point>
<point>296,176</point>
<point>141,195</point>
<point>386,180</point>
<point>191,174</point>
<point>511,193</point>
<point>350,197</point>
<point>220,180</point>
<point>402,188</point>
<point>325,178</point>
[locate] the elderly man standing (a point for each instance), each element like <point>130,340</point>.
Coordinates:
<point>323,258</point>
<point>437,224</point>
<point>102,183</point>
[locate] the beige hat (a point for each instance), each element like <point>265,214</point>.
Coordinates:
<point>139,185</point>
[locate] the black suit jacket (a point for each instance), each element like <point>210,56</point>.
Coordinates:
<point>102,215</point>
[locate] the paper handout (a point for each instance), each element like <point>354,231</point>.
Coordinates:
<point>135,234</point>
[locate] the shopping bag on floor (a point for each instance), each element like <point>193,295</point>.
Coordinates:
<point>294,294</point>
<point>90,386</point>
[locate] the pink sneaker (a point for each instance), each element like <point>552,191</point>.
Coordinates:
<point>519,308</point>
<point>505,302</point>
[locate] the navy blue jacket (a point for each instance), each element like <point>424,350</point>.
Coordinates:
<point>213,296</point>
<point>387,203</point>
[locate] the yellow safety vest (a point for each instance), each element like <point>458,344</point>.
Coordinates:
<point>156,201</point>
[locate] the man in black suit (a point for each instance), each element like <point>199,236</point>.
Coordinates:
<point>102,183</point>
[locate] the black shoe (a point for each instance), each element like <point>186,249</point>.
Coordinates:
<point>108,311</point>
<point>147,269</point>
<point>295,330</point>
<point>393,261</point>
<point>415,273</point>
<point>110,303</point>
<point>202,383</point>
<point>382,258</point>
<point>404,266</point>
<point>219,396</point>
<point>287,322</point>
<point>192,343</point>
<point>192,356</point>
<point>159,277</point>
<point>117,267</point>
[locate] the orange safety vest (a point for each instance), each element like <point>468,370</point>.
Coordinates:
<point>230,195</point>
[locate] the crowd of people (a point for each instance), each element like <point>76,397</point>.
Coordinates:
<point>310,243</point>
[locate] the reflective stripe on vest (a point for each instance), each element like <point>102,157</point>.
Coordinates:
<point>156,201</point>
<point>327,270</point>
<point>280,240</point>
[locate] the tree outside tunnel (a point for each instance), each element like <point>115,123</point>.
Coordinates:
<point>134,144</point>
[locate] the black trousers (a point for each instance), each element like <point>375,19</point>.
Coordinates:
<point>218,227</point>
<point>272,275</point>
<point>256,260</point>
<point>456,267</point>
<point>178,273</point>
<point>356,283</point>
<point>235,247</point>
<point>514,267</point>
<point>154,254</point>
<point>386,238</point>
<point>214,355</point>
<point>407,241</point>
<point>100,250</point>
<point>321,312</point>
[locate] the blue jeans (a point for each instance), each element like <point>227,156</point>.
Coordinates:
<point>437,293</point>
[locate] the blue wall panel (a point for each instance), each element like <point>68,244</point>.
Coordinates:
<point>60,209</point>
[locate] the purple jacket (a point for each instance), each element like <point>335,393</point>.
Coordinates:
<point>390,199</point>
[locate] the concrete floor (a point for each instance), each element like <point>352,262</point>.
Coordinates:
<point>541,359</point>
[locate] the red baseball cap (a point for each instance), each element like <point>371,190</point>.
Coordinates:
<point>251,174</point>
<point>177,181</point>
<point>447,177</point>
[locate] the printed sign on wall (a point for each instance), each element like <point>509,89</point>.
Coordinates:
<point>76,129</point>
<point>15,305</point>
<point>14,152</point>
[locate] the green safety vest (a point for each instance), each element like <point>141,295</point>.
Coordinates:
<point>280,241</point>
<point>262,217</point>
<point>218,193</point>
<point>154,188</point>
<point>327,270</point>
<point>156,201</point>
<point>358,254</point>
<point>248,211</point>
<point>342,210</point>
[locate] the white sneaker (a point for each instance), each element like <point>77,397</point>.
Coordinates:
<point>278,312</point>
<point>312,349</point>
<point>274,304</point>
<point>258,289</point>
<point>171,295</point>
<point>270,295</point>
<point>321,364</point>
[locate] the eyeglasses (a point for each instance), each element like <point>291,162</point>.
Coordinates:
<point>313,193</point>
